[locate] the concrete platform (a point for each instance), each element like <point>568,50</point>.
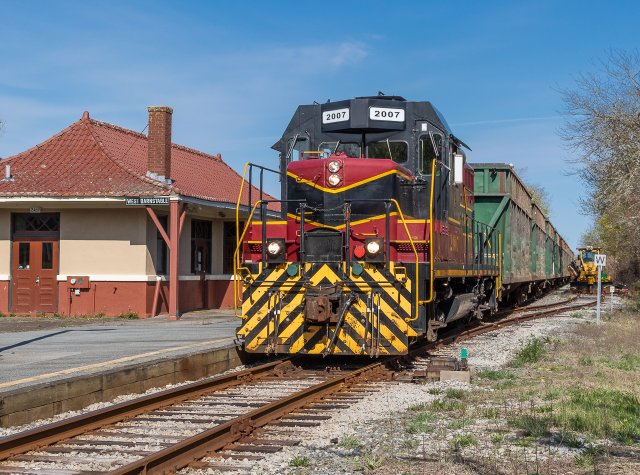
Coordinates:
<point>47,371</point>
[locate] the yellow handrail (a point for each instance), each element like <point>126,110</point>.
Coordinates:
<point>415,253</point>
<point>431,271</point>
<point>236,258</point>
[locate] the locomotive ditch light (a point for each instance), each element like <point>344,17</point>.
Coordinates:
<point>275,250</point>
<point>334,166</point>
<point>334,180</point>
<point>374,248</point>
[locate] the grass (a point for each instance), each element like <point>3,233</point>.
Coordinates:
<point>601,412</point>
<point>447,405</point>
<point>531,425</point>
<point>461,441</point>
<point>626,362</point>
<point>587,458</point>
<point>350,442</point>
<point>490,412</point>
<point>532,352</point>
<point>496,374</point>
<point>299,461</point>
<point>421,406</point>
<point>460,423</point>
<point>371,461</point>
<point>453,393</point>
<point>421,423</point>
<point>129,316</point>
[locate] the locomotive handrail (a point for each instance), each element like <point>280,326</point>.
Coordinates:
<point>431,271</point>
<point>236,257</point>
<point>240,237</point>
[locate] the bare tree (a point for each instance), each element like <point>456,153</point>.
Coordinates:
<point>603,129</point>
<point>540,197</point>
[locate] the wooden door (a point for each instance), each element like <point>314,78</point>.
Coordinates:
<point>34,275</point>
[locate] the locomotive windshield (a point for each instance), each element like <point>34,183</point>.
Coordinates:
<point>350,149</point>
<point>395,150</point>
<point>588,256</point>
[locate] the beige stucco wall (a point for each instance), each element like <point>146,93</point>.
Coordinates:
<point>103,241</point>
<point>5,242</point>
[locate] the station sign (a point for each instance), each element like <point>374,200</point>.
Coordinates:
<point>146,200</point>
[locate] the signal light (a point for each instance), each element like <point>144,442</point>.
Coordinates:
<point>358,251</point>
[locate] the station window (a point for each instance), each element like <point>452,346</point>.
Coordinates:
<point>428,153</point>
<point>47,255</point>
<point>396,151</point>
<point>200,246</point>
<point>23,255</point>
<point>229,245</point>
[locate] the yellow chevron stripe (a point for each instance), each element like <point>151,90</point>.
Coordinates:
<point>348,187</point>
<point>343,226</point>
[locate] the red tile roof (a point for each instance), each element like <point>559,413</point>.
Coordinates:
<point>94,158</point>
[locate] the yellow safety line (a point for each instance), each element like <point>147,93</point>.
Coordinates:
<point>348,187</point>
<point>341,226</point>
<point>104,364</point>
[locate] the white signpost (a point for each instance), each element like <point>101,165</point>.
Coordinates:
<point>601,261</point>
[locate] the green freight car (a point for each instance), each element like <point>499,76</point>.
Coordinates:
<point>534,255</point>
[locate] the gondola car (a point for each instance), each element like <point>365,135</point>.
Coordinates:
<point>377,242</point>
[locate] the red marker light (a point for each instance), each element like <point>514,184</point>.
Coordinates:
<point>358,251</point>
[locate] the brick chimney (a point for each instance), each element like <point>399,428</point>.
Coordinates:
<point>159,146</point>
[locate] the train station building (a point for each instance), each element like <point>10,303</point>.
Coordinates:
<point>99,219</point>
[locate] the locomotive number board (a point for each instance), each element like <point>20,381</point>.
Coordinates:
<point>337,115</point>
<point>387,114</point>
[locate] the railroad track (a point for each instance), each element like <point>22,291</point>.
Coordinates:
<point>228,417</point>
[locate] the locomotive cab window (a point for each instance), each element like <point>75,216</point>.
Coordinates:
<point>296,146</point>
<point>430,148</point>
<point>396,151</point>
<point>350,149</point>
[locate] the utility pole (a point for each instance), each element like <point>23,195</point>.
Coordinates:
<point>601,261</point>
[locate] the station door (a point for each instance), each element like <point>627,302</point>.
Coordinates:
<point>34,263</point>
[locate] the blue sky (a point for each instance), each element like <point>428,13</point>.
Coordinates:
<point>234,73</point>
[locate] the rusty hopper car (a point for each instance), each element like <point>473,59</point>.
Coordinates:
<point>377,243</point>
<point>535,256</point>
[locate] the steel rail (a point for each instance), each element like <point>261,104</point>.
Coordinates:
<point>43,436</point>
<point>177,456</point>
<point>533,315</point>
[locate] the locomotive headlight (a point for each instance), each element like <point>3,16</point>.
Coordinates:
<point>274,248</point>
<point>373,247</point>
<point>334,166</point>
<point>334,180</point>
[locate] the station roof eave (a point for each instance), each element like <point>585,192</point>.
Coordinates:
<point>91,161</point>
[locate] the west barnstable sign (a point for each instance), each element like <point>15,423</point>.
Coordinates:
<point>147,200</point>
